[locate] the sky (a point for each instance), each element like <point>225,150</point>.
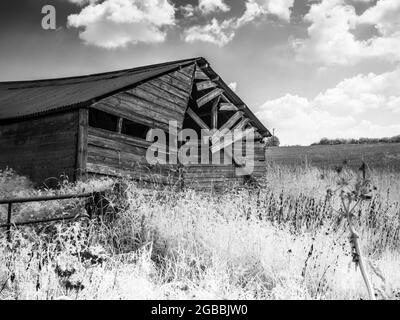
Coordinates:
<point>308,69</point>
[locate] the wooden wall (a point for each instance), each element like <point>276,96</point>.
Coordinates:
<point>41,148</point>
<point>156,102</point>
<point>114,154</point>
<point>208,177</point>
<point>219,176</point>
<point>259,159</point>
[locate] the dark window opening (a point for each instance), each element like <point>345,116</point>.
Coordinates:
<point>224,117</point>
<point>134,129</point>
<point>102,120</point>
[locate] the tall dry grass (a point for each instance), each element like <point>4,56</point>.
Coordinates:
<point>282,241</point>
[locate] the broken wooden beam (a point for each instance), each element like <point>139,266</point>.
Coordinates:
<point>227,106</point>
<point>226,127</point>
<point>208,97</point>
<point>232,120</point>
<point>230,139</point>
<point>200,75</point>
<point>197,119</point>
<point>205,85</point>
<point>242,124</point>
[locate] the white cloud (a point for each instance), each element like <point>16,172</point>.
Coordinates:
<point>214,32</point>
<point>220,33</point>
<point>115,23</point>
<point>187,11</point>
<point>280,8</point>
<point>209,6</point>
<point>253,10</point>
<point>233,86</point>
<point>385,15</point>
<point>339,112</point>
<point>331,41</point>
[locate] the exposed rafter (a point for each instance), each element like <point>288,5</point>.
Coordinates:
<point>200,75</point>
<point>230,139</point>
<point>242,124</point>
<point>227,106</point>
<point>208,97</point>
<point>197,119</point>
<point>205,85</point>
<point>232,120</point>
<point>226,127</point>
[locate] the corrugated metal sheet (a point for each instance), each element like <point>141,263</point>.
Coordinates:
<point>25,98</point>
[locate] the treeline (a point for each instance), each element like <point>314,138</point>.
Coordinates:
<point>326,141</point>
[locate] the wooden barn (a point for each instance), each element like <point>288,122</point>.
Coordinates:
<point>97,124</point>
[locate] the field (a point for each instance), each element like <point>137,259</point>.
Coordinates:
<point>281,241</point>
<point>385,156</point>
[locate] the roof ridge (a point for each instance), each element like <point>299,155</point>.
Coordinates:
<point>135,69</point>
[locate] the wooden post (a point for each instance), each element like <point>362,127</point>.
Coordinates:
<point>119,125</point>
<point>214,113</point>
<point>9,221</point>
<point>81,156</point>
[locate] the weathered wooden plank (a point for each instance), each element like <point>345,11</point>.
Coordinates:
<point>161,102</point>
<point>227,106</point>
<point>205,85</point>
<point>113,144</point>
<point>200,75</point>
<point>241,124</point>
<point>114,157</point>
<point>182,75</point>
<point>226,127</point>
<point>161,84</point>
<point>94,133</point>
<point>208,97</point>
<point>230,139</point>
<point>134,174</point>
<point>107,106</point>
<point>82,144</point>
<point>189,71</point>
<point>131,107</point>
<point>197,119</point>
<point>151,88</point>
<point>175,82</point>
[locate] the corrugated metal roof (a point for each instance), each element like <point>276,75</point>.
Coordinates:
<point>26,98</point>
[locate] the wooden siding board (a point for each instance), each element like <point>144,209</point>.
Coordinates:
<point>82,143</point>
<point>177,83</point>
<point>161,84</point>
<point>153,105</point>
<point>106,106</point>
<point>113,154</point>
<point>169,96</point>
<point>112,137</point>
<point>162,103</point>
